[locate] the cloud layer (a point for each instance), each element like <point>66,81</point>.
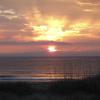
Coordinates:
<point>71,25</point>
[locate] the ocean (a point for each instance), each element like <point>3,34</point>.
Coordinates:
<point>48,68</point>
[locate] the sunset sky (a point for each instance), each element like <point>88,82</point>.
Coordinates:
<point>49,27</point>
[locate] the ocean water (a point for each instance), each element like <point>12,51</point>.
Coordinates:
<point>48,68</point>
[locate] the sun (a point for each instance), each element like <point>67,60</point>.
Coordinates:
<point>52,49</point>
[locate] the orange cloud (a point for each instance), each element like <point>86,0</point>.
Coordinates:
<point>89,5</point>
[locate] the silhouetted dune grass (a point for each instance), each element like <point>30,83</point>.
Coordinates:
<point>19,88</point>
<point>66,87</point>
<point>87,89</point>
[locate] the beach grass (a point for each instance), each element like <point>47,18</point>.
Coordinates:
<point>87,89</point>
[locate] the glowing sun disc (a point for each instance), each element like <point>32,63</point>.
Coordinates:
<point>52,49</point>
